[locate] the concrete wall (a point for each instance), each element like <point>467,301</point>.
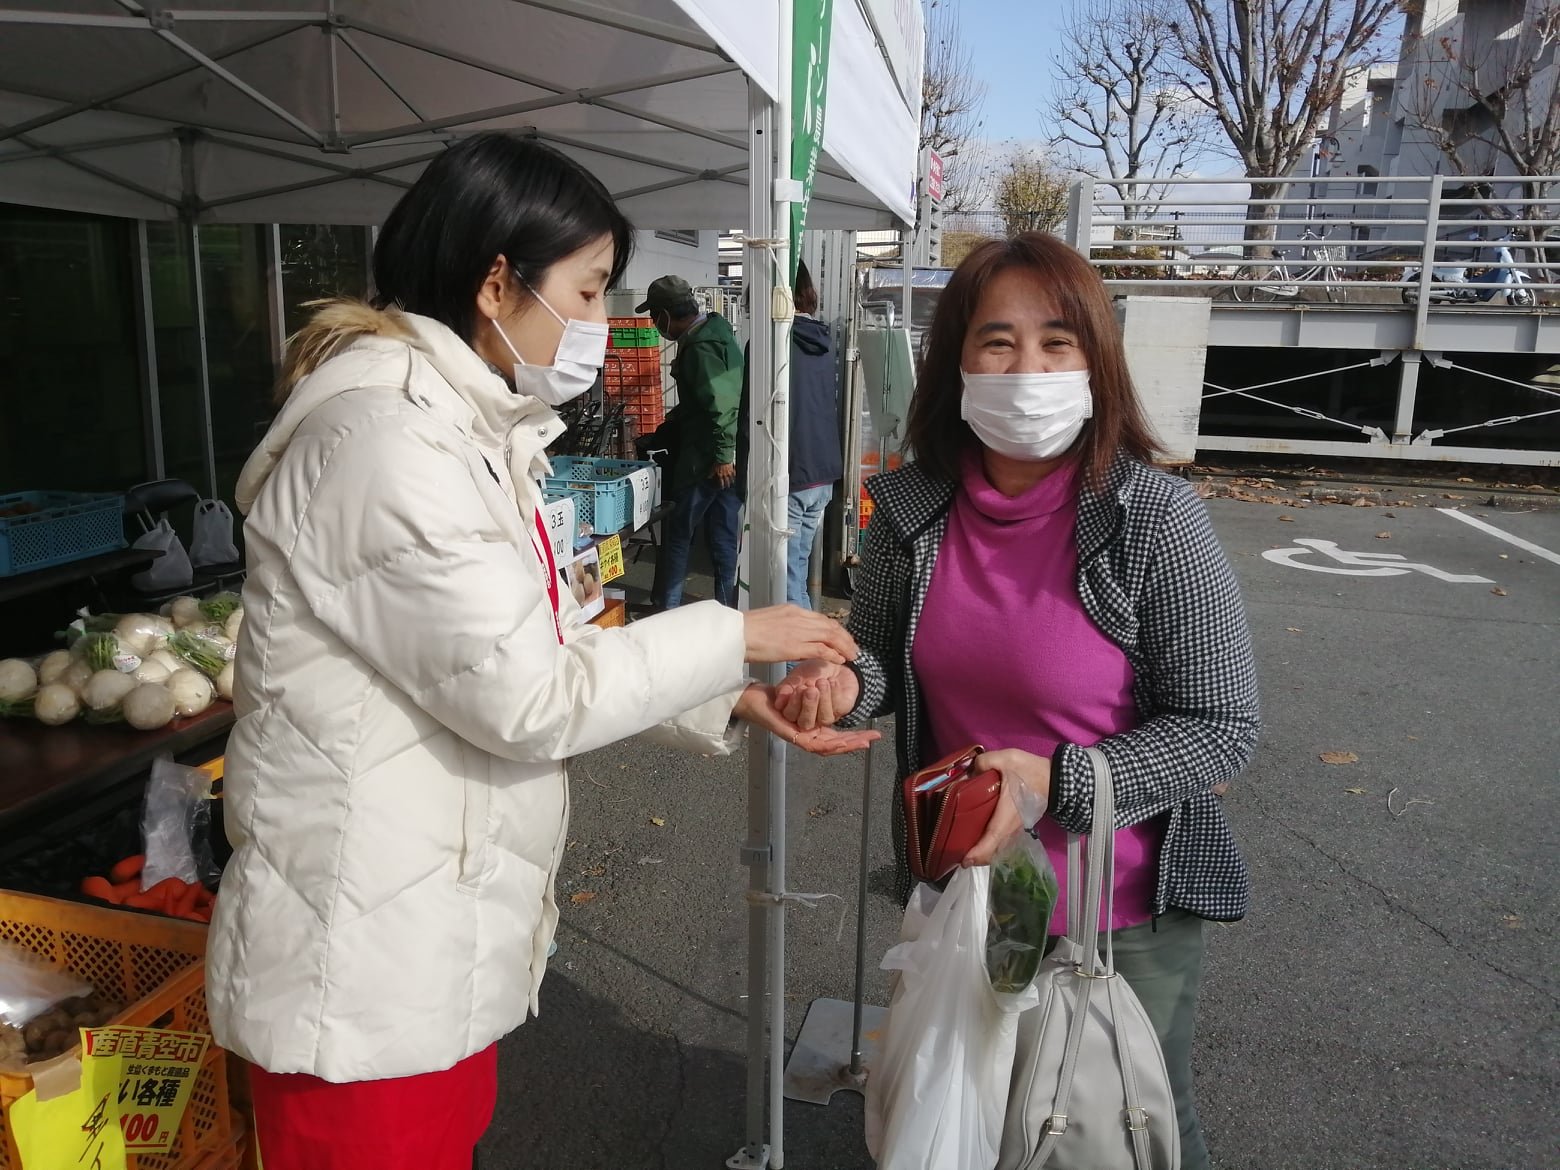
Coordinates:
<point>1167,351</point>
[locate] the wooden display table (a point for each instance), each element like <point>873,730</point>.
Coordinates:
<point>50,771</point>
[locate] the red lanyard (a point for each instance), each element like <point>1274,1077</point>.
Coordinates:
<point>544,551</point>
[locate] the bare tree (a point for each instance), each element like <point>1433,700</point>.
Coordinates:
<point>1120,101</point>
<point>1490,103</point>
<point>1270,71</point>
<point>952,97</point>
<point>1031,193</point>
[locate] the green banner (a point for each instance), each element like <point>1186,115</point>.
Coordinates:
<point>811,21</point>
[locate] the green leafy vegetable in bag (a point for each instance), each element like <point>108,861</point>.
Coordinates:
<point>205,653</point>
<point>1023,896</point>
<point>219,606</point>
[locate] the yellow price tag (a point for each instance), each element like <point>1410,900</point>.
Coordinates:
<point>75,1125</point>
<point>611,551</point>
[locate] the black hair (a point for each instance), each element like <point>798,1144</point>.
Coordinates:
<point>493,194</point>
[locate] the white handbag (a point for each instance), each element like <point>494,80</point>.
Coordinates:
<point>1089,1088</point>
<point>213,539</point>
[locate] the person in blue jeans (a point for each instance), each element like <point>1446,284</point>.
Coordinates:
<point>703,477</point>
<point>816,460</point>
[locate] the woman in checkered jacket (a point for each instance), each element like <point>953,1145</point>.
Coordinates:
<point>1032,584</point>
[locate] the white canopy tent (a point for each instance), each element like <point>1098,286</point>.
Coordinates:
<point>325,111</point>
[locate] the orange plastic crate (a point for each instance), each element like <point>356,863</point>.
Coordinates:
<point>156,966</point>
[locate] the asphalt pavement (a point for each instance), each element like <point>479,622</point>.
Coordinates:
<point>1389,1004</point>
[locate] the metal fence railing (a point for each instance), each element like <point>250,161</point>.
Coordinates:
<point>1421,241</point>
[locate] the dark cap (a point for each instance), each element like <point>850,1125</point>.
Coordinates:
<point>668,294</point>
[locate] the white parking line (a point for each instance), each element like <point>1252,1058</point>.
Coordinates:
<point>1529,546</point>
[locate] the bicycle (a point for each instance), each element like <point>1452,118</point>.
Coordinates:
<point>1278,281</point>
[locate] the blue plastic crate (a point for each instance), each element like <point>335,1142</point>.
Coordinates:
<point>57,528</point>
<point>603,496</point>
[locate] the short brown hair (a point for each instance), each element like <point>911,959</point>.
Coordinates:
<point>804,293</point>
<point>936,433</point>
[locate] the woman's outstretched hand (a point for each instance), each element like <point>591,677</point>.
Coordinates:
<point>758,706</point>
<point>818,694</point>
<point>789,633</point>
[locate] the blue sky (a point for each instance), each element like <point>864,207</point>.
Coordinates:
<point>1012,41</point>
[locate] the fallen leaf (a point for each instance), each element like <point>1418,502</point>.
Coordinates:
<point>1362,502</point>
<point>651,860</point>
<point>597,871</point>
<point>1355,791</point>
<point>1294,629</point>
<point>1383,536</point>
<point>1512,921</point>
<point>1450,496</point>
<point>1505,556</point>
<point>1498,591</point>
<point>817,810</point>
<point>1390,515</point>
<point>658,822</point>
<point>1340,758</point>
<point>583,897</point>
<point>1464,479</point>
<point>1287,519</point>
<point>1221,787</point>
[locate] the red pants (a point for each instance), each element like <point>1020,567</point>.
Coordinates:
<point>426,1122</point>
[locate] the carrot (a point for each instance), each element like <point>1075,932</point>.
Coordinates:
<point>201,914</point>
<point>168,887</point>
<point>204,899</point>
<point>184,904</point>
<point>130,867</point>
<point>143,902</point>
<point>96,887</point>
<point>124,889</point>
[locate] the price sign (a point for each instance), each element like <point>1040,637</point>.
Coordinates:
<point>66,1121</point>
<point>611,551</point>
<point>156,1071</point>
<point>643,485</point>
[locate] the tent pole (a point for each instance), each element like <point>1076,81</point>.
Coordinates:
<point>775,528</point>
<point>146,344</point>
<point>757,851</point>
<point>276,299</point>
<point>203,362</point>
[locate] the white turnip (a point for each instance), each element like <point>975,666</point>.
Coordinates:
<point>192,692</point>
<point>55,704</point>
<point>148,707</point>
<point>18,680</point>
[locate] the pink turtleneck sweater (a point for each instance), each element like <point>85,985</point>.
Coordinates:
<point>1007,657</point>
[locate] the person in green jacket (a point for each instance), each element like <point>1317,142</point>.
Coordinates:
<point>703,480</point>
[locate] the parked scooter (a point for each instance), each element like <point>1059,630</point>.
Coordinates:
<point>1503,276</point>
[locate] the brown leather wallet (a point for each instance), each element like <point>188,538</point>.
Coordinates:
<point>946,813</point>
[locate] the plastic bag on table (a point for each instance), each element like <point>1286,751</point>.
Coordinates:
<point>176,826</point>
<point>212,542</point>
<point>937,1096</point>
<point>1022,899</point>
<point>30,985</point>
<point>171,570</point>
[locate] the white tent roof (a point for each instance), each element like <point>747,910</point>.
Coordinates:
<point>324,111</point>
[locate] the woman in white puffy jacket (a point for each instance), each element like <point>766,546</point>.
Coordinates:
<point>412,677</point>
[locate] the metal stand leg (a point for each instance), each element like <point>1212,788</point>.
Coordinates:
<point>837,1044</point>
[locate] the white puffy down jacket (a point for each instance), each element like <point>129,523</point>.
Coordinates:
<point>396,792</point>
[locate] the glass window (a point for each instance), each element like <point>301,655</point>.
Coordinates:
<point>320,261</point>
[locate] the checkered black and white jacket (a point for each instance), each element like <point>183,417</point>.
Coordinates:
<point>1152,576</point>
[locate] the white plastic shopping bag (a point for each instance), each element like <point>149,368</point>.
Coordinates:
<point>213,539</point>
<point>937,1096</point>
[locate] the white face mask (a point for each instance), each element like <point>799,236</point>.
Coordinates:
<point>582,351</point>
<point>1027,416</point>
